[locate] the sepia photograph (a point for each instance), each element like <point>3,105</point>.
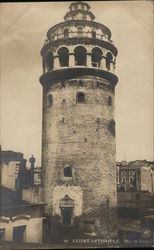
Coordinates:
<point>76,124</point>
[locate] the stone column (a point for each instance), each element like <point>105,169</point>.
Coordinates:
<point>71,59</point>
<point>56,62</point>
<point>89,59</point>
<point>112,66</point>
<point>103,63</point>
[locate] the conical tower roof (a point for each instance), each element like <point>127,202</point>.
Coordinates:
<point>79,11</point>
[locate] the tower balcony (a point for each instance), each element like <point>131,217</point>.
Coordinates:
<point>84,34</point>
<point>79,56</point>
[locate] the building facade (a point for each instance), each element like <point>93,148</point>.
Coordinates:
<point>20,221</point>
<point>78,134</point>
<point>9,168</point>
<point>135,176</point>
<point>135,186</point>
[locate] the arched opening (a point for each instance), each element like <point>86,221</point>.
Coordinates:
<point>81,97</point>
<point>66,33</point>
<point>109,58</point>
<point>81,83</point>
<point>49,101</point>
<point>66,205</point>
<point>80,31</point>
<point>63,57</point>
<point>93,33</point>
<point>49,60</point>
<point>80,56</point>
<point>111,127</point>
<point>96,57</point>
<point>110,101</point>
<point>67,172</point>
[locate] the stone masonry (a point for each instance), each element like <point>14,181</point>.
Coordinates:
<point>78,129</point>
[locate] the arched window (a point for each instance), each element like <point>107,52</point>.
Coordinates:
<point>81,83</point>
<point>80,31</point>
<point>66,33</point>
<point>80,56</point>
<point>63,57</point>
<point>110,101</point>
<point>93,33</point>
<point>49,60</point>
<point>82,6</point>
<point>67,172</point>
<point>81,97</point>
<point>49,101</point>
<point>109,58</point>
<point>96,57</point>
<point>112,127</point>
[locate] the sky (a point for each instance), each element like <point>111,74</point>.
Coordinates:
<point>23,32</point>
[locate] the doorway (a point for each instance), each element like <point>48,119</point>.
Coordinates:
<point>67,215</point>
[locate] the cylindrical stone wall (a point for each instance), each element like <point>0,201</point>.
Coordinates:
<point>79,135</point>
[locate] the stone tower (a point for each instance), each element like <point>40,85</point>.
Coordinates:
<point>78,134</point>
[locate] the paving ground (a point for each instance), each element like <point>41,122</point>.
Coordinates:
<point>130,224</point>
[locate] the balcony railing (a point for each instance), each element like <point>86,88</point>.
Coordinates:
<point>76,34</point>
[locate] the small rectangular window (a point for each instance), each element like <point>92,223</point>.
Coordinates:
<point>131,179</point>
<point>123,179</point>
<point>98,120</point>
<point>19,233</point>
<point>67,172</point>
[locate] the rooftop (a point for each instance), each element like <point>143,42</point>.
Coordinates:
<point>78,11</point>
<point>12,205</point>
<point>7,156</point>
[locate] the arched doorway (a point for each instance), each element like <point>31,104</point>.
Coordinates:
<point>96,57</point>
<point>66,205</point>
<point>80,56</point>
<point>63,57</point>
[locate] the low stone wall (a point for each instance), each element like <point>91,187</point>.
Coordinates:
<point>139,200</point>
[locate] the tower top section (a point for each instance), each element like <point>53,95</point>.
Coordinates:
<point>79,11</point>
<point>79,42</point>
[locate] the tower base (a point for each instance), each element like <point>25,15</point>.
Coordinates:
<point>87,226</point>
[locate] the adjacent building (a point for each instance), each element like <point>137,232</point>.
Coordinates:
<point>9,168</point>
<point>135,186</point>
<point>20,219</point>
<point>135,176</point>
<point>14,172</point>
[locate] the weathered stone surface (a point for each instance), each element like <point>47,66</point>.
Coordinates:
<point>74,192</point>
<point>80,135</point>
<point>77,135</point>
